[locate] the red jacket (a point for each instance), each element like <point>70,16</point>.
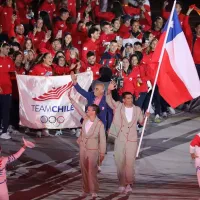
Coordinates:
<point>166,15</point>
<point>157,34</point>
<point>105,38</point>
<point>46,47</point>
<point>37,38</point>
<point>22,7</point>
<point>106,16</point>
<point>6,66</point>
<point>129,84</point>
<point>95,69</point>
<point>146,23</point>
<point>15,92</point>
<point>140,72</point>
<point>6,18</point>
<point>90,45</point>
<point>72,8</point>
<point>78,40</point>
<point>131,10</point>
<point>41,70</point>
<point>60,25</point>
<point>190,37</point>
<point>48,7</point>
<point>124,31</point>
<point>58,70</point>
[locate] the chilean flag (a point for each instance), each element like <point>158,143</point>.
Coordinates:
<point>178,81</point>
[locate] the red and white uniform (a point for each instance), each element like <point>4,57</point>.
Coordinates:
<point>60,25</point>
<point>129,84</point>
<point>41,70</point>
<point>4,161</point>
<point>124,31</point>
<point>58,70</point>
<point>90,45</point>
<point>6,66</point>
<point>189,37</point>
<point>6,18</point>
<point>45,47</point>
<point>48,7</point>
<point>95,69</point>
<point>37,38</point>
<point>195,148</point>
<point>22,7</point>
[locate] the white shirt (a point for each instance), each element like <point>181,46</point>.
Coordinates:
<point>129,114</point>
<point>88,125</point>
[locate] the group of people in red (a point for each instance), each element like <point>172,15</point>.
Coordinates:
<point>48,38</point>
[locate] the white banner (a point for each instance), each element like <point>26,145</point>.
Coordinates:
<point>44,101</point>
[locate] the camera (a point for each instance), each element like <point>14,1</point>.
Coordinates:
<point>119,81</point>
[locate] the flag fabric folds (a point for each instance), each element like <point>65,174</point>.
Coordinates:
<point>178,81</point>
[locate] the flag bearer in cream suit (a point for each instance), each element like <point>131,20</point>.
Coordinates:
<point>92,143</point>
<point>123,129</point>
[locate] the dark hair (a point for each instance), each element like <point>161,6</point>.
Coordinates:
<point>113,41</point>
<point>124,94</point>
<point>15,54</point>
<point>40,59</point>
<point>90,53</point>
<point>105,23</point>
<point>114,20</point>
<point>133,21</point>
<point>46,19</point>
<point>197,24</point>
<point>63,10</point>
<point>4,44</point>
<point>139,55</point>
<point>105,72</point>
<point>57,60</point>
<point>117,9</point>
<point>138,43</point>
<point>64,44</point>
<point>92,31</point>
<point>95,108</point>
<point>135,55</point>
<point>180,3</point>
<point>146,36</point>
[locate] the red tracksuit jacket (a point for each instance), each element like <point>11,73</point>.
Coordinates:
<point>6,66</point>
<point>48,7</point>
<point>41,70</point>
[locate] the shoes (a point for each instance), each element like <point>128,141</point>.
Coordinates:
<point>94,195</point>
<point>27,130</point>
<point>83,194</point>
<point>121,189</point>
<point>59,132</point>
<point>157,119</point>
<point>164,115</point>
<point>99,169</point>
<point>73,131</point>
<point>5,136</point>
<point>128,189</point>
<point>39,134</point>
<point>171,111</point>
<point>10,129</point>
<point>78,132</point>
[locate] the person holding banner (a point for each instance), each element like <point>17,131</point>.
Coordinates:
<point>92,143</point>
<point>4,161</point>
<point>6,67</point>
<point>123,129</point>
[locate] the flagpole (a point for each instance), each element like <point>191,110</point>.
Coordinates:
<point>156,78</point>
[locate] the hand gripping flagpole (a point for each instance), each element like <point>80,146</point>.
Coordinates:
<point>156,78</point>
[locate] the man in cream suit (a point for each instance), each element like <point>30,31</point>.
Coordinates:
<point>123,129</point>
<point>92,143</point>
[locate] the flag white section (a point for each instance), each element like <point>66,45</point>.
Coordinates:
<point>44,101</point>
<point>182,62</point>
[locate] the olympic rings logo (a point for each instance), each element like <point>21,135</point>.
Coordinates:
<point>52,119</point>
